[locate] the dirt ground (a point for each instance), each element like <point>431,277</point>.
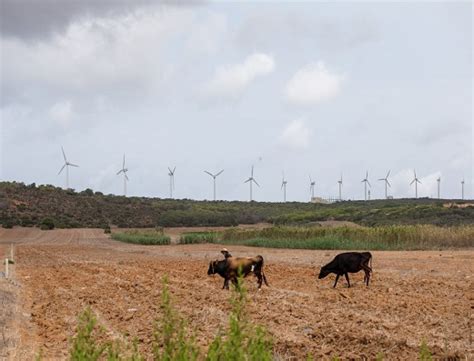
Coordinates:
<point>413,296</point>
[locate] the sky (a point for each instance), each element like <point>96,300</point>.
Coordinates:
<point>301,89</point>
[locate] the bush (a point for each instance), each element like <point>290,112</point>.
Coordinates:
<point>198,237</point>
<point>84,345</point>
<point>107,229</point>
<point>47,224</point>
<point>8,224</point>
<point>142,237</point>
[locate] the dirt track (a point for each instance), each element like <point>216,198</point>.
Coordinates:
<point>413,296</point>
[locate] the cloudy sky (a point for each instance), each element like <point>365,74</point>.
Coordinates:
<point>305,88</point>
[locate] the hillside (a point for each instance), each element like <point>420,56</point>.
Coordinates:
<point>29,205</point>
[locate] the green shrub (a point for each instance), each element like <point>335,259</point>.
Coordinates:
<point>107,229</point>
<point>8,224</point>
<point>198,237</point>
<point>47,224</point>
<point>425,353</point>
<point>170,341</point>
<point>85,347</point>
<point>243,341</point>
<point>142,237</point>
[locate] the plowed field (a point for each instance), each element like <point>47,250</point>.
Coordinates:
<point>413,296</point>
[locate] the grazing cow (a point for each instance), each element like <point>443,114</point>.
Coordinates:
<point>349,262</point>
<point>230,267</point>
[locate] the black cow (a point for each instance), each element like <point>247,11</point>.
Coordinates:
<point>349,262</point>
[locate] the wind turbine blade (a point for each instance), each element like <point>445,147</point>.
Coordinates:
<point>174,169</point>
<point>389,184</point>
<point>120,171</point>
<point>369,184</point>
<point>126,176</point>
<point>380,179</point>
<point>366,174</point>
<point>73,165</point>
<point>388,173</point>
<point>64,154</point>
<point>62,168</point>
<point>251,173</point>
<point>209,173</point>
<point>414,172</point>
<point>412,181</point>
<point>258,185</point>
<point>248,180</point>
<point>418,181</point>
<point>218,174</point>
<point>170,170</point>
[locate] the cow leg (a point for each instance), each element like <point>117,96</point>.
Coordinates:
<point>226,284</point>
<point>367,278</point>
<point>347,278</point>
<point>335,283</point>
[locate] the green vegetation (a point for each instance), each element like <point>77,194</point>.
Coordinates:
<point>198,237</point>
<point>28,205</point>
<point>357,238</point>
<point>142,237</point>
<point>173,341</point>
<point>425,353</point>
<point>47,224</point>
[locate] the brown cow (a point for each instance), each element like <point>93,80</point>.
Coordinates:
<point>230,268</point>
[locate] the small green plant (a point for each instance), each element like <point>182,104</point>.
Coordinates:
<point>243,341</point>
<point>107,229</point>
<point>425,353</point>
<point>170,335</point>
<point>47,224</point>
<point>84,345</point>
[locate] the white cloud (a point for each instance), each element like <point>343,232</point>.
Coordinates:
<point>230,80</point>
<point>296,135</point>
<point>313,84</point>
<point>62,113</point>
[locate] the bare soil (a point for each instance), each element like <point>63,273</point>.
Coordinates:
<point>413,296</point>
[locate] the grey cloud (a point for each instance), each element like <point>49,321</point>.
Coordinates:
<point>36,19</point>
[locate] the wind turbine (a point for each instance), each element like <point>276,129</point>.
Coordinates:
<point>366,181</point>
<point>462,189</point>
<point>416,181</point>
<point>387,183</point>
<point>251,180</point>
<point>311,187</point>
<point>66,165</point>
<point>283,186</point>
<point>439,187</point>
<point>125,178</point>
<point>171,175</point>
<point>214,176</point>
<point>340,188</point>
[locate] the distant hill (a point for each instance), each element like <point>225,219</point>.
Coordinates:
<point>30,205</point>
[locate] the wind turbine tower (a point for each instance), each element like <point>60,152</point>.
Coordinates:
<point>340,188</point>
<point>283,186</point>
<point>439,187</point>
<point>416,181</point>
<point>125,178</point>
<point>214,176</point>
<point>462,189</point>
<point>311,187</point>
<point>251,180</point>
<point>387,183</point>
<point>171,175</point>
<point>66,165</point>
<point>366,181</point>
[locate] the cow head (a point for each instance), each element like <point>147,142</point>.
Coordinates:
<point>212,268</point>
<point>324,272</point>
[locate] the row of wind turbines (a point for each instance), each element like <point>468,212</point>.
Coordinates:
<point>251,180</point>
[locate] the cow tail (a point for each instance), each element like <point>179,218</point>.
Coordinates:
<point>370,260</point>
